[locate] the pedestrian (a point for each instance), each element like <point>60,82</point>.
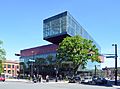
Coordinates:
<point>60,77</point>
<point>47,78</point>
<point>18,77</point>
<point>39,78</point>
<point>34,79</point>
<point>29,77</point>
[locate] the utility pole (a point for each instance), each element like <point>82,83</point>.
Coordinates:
<point>115,63</point>
<point>32,62</point>
<point>56,72</point>
<point>95,70</point>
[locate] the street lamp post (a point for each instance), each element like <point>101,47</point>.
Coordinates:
<point>95,70</point>
<point>32,63</point>
<point>21,66</point>
<point>115,63</point>
<point>56,72</point>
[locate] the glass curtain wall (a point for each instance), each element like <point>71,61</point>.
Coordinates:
<point>54,26</point>
<point>74,28</point>
<point>64,22</point>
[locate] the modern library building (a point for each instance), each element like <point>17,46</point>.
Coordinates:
<point>55,29</point>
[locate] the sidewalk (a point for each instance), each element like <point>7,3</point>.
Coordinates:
<point>56,82</point>
<point>116,86</point>
<point>16,80</point>
<point>28,81</point>
<point>44,81</point>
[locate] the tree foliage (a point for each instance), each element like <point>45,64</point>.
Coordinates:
<point>2,56</point>
<point>50,59</point>
<point>1,67</point>
<point>76,49</point>
<point>22,67</point>
<point>40,61</point>
<point>2,52</point>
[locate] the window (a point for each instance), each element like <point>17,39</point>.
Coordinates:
<point>9,71</point>
<point>9,66</point>
<point>4,71</point>
<point>12,66</point>
<point>12,71</point>
<point>17,67</point>
<point>4,65</point>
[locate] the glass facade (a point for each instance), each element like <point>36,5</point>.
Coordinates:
<point>26,59</point>
<point>39,52</point>
<point>74,28</point>
<point>55,25</point>
<point>64,24</point>
<point>55,29</point>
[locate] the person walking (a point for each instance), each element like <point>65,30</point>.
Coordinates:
<point>39,78</point>
<point>29,77</point>
<point>47,78</point>
<point>34,79</point>
<point>60,77</point>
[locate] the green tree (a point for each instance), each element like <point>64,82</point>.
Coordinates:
<point>51,62</point>
<point>39,63</point>
<point>22,68</point>
<point>50,59</point>
<point>1,67</point>
<point>2,52</point>
<point>77,50</point>
<point>2,56</point>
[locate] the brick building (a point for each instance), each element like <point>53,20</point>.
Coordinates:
<point>11,68</point>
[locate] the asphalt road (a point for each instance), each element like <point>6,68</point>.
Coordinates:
<point>27,85</point>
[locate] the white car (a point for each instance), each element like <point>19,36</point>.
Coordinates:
<point>87,80</point>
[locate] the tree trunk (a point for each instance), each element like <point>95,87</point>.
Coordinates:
<point>75,69</point>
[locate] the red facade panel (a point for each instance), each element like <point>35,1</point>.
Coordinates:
<point>39,50</point>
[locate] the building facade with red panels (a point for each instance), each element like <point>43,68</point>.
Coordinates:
<point>38,52</point>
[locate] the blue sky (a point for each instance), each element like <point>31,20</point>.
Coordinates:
<point>21,24</point>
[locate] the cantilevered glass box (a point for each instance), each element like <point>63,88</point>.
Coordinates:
<point>57,27</point>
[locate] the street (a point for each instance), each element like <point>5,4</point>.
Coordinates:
<point>51,85</point>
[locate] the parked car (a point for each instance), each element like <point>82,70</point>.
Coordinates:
<point>75,79</point>
<point>101,80</point>
<point>2,78</point>
<point>87,80</point>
